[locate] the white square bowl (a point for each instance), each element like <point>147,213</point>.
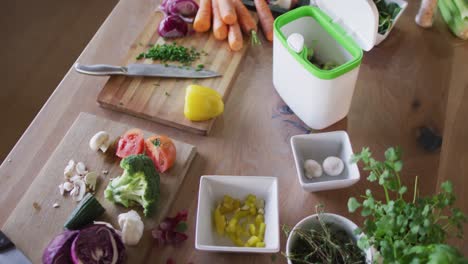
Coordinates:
<point>318,147</point>
<point>213,188</point>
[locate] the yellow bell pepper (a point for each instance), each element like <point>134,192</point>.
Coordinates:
<point>202,103</point>
<point>220,221</point>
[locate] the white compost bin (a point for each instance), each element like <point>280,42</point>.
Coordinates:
<point>338,31</point>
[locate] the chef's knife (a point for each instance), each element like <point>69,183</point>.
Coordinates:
<point>153,70</point>
<point>9,253</point>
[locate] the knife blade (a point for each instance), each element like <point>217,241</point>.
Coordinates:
<point>9,253</point>
<point>152,70</point>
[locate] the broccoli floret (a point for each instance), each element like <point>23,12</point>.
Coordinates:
<point>139,184</point>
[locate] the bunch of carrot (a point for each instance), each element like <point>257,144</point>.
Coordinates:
<point>228,17</point>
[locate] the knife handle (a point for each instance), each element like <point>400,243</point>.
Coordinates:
<point>100,69</point>
<point>5,242</point>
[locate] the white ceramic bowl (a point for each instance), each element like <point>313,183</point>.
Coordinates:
<point>213,188</point>
<point>403,4</point>
<point>318,147</point>
<point>312,221</point>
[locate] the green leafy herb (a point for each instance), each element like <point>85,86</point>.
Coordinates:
<point>171,52</point>
<point>400,230</point>
<point>167,94</point>
<point>387,13</point>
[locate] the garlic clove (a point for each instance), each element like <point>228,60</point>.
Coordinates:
<point>68,171</point>
<point>61,189</point>
<point>81,169</point>
<point>312,169</point>
<point>56,205</point>
<point>333,166</point>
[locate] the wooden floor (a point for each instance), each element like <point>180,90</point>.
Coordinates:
<point>40,40</point>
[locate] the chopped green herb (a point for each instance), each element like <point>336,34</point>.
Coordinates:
<point>273,257</point>
<point>200,67</point>
<point>156,142</point>
<point>167,94</point>
<point>171,52</point>
<point>166,65</point>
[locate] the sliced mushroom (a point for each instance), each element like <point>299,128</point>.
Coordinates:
<point>90,180</point>
<point>68,186</point>
<point>81,169</point>
<point>100,141</point>
<point>76,178</point>
<point>79,190</point>
<point>68,171</point>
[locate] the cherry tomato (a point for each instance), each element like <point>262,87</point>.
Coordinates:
<point>131,143</point>
<point>162,151</point>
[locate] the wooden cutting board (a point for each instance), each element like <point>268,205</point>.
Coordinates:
<point>162,99</point>
<point>34,222</point>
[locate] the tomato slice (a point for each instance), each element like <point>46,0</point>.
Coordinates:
<point>131,143</point>
<point>162,151</point>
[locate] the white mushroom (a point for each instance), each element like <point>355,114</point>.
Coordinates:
<point>81,169</point>
<point>68,171</point>
<point>132,227</point>
<point>312,169</point>
<point>91,179</point>
<point>61,189</point>
<point>100,141</point>
<point>76,178</point>
<point>79,190</point>
<point>68,186</point>
<point>333,166</point>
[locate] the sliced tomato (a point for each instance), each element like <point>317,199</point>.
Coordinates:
<point>131,143</point>
<point>162,151</point>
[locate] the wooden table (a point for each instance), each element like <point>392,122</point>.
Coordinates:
<point>415,78</point>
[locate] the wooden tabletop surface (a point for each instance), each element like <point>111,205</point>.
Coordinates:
<point>415,78</point>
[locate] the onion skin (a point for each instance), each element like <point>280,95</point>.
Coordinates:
<point>98,244</point>
<point>58,250</point>
<point>172,27</point>
<point>186,8</point>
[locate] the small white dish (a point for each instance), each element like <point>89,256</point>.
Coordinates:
<point>213,188</point>
<point>337,220</point>
<point>403,4</point>
<point>318,147</point>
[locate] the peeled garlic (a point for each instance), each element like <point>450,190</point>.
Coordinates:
<point>333,166</point>
<point>61,189</point>
<point>312,169</point>
<point>68,171</point>
<point>81,169</point>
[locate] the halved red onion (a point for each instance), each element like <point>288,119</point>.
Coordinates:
<point>172,27</point>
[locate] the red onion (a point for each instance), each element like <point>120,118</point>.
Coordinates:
<point>185,8</point>
<point>172,27</point>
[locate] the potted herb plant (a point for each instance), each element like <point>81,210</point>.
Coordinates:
<point>324,238</point>
<point>405,229</point>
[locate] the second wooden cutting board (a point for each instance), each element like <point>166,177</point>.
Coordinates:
<point>162,99</point>
<point>34,222</point>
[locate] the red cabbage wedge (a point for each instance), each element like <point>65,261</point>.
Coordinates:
<point>59,249</point>
<point>98,244</point>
